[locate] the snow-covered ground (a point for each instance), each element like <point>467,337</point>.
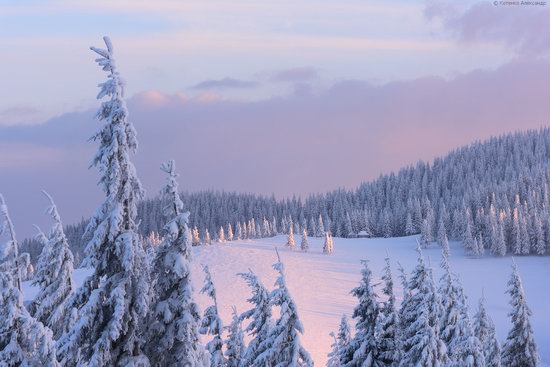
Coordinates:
<point>320,284</point>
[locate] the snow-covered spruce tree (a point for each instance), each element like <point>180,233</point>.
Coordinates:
<point>363,349</point>
<point>239,232</point>
<point>229,232</point>
<point>195,237</point>
<point>409,226</point>
<point>207,238</point>
<point>290,239</point>
<point>344,336</point>
<point>484,329</point>
<point>283,347</point>
<point>234,345</point>
<point>55,279</point>
<point>333,357</point>
<point>470,243</point>
<point>320,227</point>
<point>387,323</point>
<point>421,344</point>
<point>114,299</point>
<point>304,245</point>
<point>221,235</point>
<point>24,341</point>
<point>498,246</point>
<point>328,246</point>
<point>260,318</point>
<point>9,252</point>
<point>426,238</point>
<point>212,323</point>
<point>451,302</point>
<point>520,348</point>
<point>173,327</point>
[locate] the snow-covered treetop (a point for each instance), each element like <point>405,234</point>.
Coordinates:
<point>9,252</point>
<point>170,192</point>
<point>208,288</point>
<point>117,140</point>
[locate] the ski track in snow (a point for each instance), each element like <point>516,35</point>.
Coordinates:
<point>320,284</point>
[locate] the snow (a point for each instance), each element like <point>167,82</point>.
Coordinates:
<point>320,284</point>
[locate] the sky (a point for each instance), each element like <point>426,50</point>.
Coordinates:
<point>286,97</point>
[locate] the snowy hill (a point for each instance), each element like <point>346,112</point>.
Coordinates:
<point>320,284</point>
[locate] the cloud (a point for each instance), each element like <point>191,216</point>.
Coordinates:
<point>20,115</point>
<point>225,83</point>
<point>299,74</point>
<point>305,142</point>
<point>522,28</point>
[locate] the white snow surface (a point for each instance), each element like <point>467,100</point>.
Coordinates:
<point>320,284</point>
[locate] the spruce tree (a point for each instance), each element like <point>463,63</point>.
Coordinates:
<point>221,235</point>
<point>421,344</point>
<point>484,329</point>
<point>173,329</point>
<point>211,323</point>
<point>344,335</point>
<point>207,238</point>
<point>363,349</point>
<point>24,341</point>
<point>328,246</point>
<point>259,315</point>
<point>229,232</point>
<point>387,323</point>
<point>283,347</point>
<point>520,348</point>
<point>304,245</point>
<point>51,305</point>
<point>290,239</point>
<point>333,357</point>
<point>234,344</point>
<point>114,299</point>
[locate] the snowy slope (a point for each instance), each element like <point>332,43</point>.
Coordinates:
<point>320,284</point>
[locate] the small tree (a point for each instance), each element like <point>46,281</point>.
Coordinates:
<point>195,237</point>
<point>484,329</point>
<point>55,278</point>
<point>362,350</point>
<point>229,232</point>
<point>207,239</point>
<point>328,246</point>
<point>520,348</point>
<point>283,346</point>
<point>290,239</point>
<point>173,327</point>
<point>23,340</point>
<point>333,358</point>
<point>260,323</point>
<point>212,323</point>
<point>304,245</point>
<point>235,347</point>
<point>387,323</point>
<point>221,235</point>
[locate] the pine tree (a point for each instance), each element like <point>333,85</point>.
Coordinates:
<point>283,347</point>
<point>212,323</point>
<point>409,226</point>
<point>520,348</point>
<point>195,236</point>
<point>116,293</point>
<point>239,231</point>
<point>221,235</point>
<point>469,244</point>
<point>207,239</point>
<point>304,245</point>
<point>484,329</point>
<point>328,246</point>
<point>235,347</point>
<point>344,336</point>
<point>173,328</point>
<point>229,232</point>
<point>387,323</point>
<point>55,279</point>
<point>421,343</point>
<point>333,358</point>
<point>24,341</point>
<point>499,244</point>
<point>362,350</point>
<point>426,234</point>
<point>260,318</point>
<point>320,227</point>
<point>290,239</point>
